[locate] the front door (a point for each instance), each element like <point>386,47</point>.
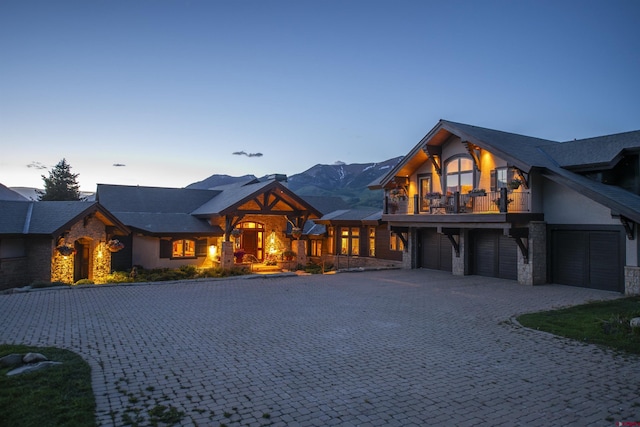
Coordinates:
<point>82,261</point>
<point>250,242</point>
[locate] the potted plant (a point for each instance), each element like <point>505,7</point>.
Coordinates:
<point>239,255</point>
<point>66,250</point>
<point>289,254</point>
<point>236,232</point>
<point>296,232</point>
<point>433,195</point>
<point>477,192</point>
<point>115,245</point>
<point>514,184</point>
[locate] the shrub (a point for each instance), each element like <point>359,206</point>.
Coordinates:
<point>118,277</point>
<point>84,282</point>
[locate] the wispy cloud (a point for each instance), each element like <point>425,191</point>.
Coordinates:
<point>119,165</point>
<point>36,165</point>
<point>244,153</point>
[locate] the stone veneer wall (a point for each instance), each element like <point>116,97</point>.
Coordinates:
<point>343,262</point>
<point>92,229</point>
<point>39,258</point>
<point>631,280</point>
<point>13,272</point>
<point>534,272</point>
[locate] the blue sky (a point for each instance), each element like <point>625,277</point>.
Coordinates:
<point>172,89</point>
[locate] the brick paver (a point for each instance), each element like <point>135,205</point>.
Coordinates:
<point>384,348</point>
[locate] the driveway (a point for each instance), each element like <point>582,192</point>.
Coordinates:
<point>384,348</point>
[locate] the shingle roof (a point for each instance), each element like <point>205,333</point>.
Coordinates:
<point>590,152</point>
<point>351,215</point>
<point>326,204</point>
<point>43,218</point>
<point>229,198</point>
<point>168,223</point>
<point>8,194</point>
<point>125,198</point>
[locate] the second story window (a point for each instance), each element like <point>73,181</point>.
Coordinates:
<point>459,175</point>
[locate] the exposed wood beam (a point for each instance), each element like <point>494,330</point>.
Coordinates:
<point>434,154</point>
<point>474,152</point>
<point>629,227</point>
<point>523,249</point>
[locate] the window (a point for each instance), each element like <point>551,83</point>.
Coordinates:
<point>330,240</point>
<point>372,241</point>
<point>350,241</point>
<point>395,243</point>
<point>500,177</point>
<point>316,247</point>
<point>459,175</point>
<point>183,249</point>
<point>425,188</point>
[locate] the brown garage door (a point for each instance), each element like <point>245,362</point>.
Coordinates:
<point>588,258</point>
<point>493,254</point>
<point>435,250</point>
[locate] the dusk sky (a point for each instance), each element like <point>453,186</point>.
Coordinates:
<point>162,93</point>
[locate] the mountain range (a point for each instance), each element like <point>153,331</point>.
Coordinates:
<point>348,181</point>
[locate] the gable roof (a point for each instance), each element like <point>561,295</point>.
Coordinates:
<point>50,217</point>
<point>554,159</point>
<point>601,152</point>
<point>365,216</point>
<point>326,204</point>
<point>158,211</point>
<point>8,194</point>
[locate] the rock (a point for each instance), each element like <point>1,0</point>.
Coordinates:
<point>32,367</point>
<point>635,322</point>
<point>10,360</point>
<point>34,358</point>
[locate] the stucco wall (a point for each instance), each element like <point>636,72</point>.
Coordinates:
<point>563,205</point>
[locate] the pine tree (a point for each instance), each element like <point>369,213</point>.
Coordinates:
<point>61,183</point>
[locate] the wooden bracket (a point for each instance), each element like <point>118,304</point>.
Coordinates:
<point>629,227</point>
<point>435,157</point>
<point>523,249</point>
<point>474,152</point>
<point>454,243</point>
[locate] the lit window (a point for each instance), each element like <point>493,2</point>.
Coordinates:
<point>350,241</point>
<point>316,247</point>
<point>372,241</point>
<point>459,175</point>
<point>395,243</point>
<point>183,249</point>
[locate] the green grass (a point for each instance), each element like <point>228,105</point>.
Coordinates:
<point>55,396</point>
<point>604,323</point>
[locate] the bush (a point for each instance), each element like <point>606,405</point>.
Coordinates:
<point>118,277</point>
<point>84,282</point>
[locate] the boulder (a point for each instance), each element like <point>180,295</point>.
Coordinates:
<point>635,322</point>
<point>32,367</point>
<point>34,358</point>
<point>10,360</point>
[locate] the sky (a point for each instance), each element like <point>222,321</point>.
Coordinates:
<point>164,92</point>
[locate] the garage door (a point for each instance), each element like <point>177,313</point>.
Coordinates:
<point>588,258</point>
<point>435,250</point>
<point>493,254</point>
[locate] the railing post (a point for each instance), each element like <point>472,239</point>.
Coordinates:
<point>456,202</point>
<point>416,207</point>
<point>503,200</point>
<point>386,204</point>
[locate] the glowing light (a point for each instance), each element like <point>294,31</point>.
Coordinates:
<point>213,250</point>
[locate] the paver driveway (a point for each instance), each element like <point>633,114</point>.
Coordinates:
<point>393,347</point>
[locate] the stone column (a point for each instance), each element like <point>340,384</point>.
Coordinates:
<point>299,247</point>
<point>458,262</point>
<point>631,280</point>
<point>226,256</point>
<point>535,271</point>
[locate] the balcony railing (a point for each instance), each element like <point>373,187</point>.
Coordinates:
<point>492,202</point>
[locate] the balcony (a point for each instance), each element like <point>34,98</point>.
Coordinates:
<point>494,202</point>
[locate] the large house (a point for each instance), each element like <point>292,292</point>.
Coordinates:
<point>472,200</point>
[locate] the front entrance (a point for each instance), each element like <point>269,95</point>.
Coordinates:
<point>252,239</point>
<point>82,260</point>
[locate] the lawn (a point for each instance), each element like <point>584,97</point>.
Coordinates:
<point>55,396</point>
<point>605,323</point>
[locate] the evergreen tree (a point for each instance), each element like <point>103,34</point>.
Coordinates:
<point>61,183</point>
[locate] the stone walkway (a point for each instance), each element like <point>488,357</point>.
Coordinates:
<point>385,348</point>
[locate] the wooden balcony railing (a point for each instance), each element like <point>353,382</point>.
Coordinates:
<point>492,202</point>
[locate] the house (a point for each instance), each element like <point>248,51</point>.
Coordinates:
<point>247,222</point>
<point>359,238</point>
<point>56,242</point>
<point>472,200</point>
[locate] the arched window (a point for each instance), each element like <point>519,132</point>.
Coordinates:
<point>459,174</point>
